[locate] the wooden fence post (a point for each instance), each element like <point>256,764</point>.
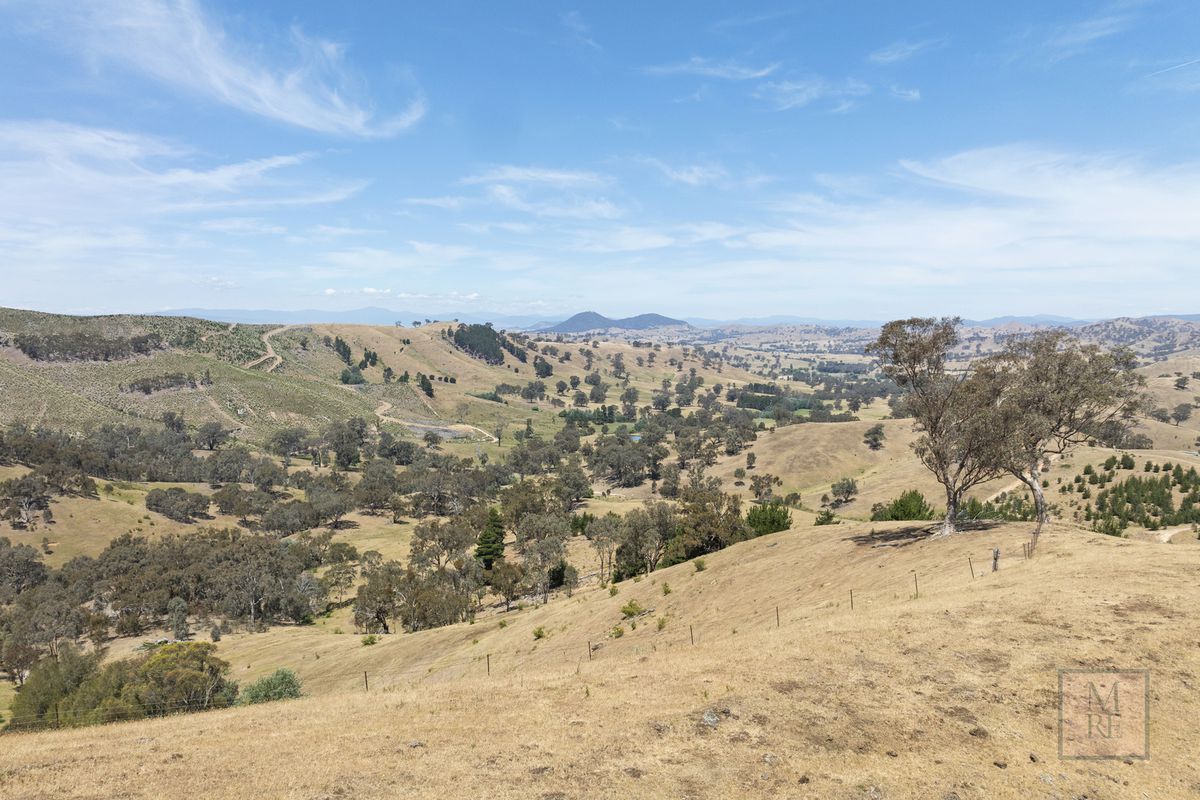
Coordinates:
<point>489,663</point>
<point>776,616</point>
<point>851,599</point>
<point>916,587</point>
<point>691,634</point>
<point>366,686</point>
<point>971,564</point>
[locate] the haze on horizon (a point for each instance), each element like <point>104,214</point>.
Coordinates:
<point>728,162</point>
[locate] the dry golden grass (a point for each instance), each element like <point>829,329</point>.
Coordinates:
<point>876,702</point>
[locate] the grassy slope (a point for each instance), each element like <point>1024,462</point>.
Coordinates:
<point>875,702</point>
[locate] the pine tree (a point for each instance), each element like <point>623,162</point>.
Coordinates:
<point>490,546</point>
<point>177,618</point>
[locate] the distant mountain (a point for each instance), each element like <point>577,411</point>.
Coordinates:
<point>356,316</point>
<point>1049,320</point>
<point>591,321</point>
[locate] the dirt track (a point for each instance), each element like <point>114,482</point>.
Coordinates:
<point>271,354</point>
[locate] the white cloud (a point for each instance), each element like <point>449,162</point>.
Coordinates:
<point>622,239</point>
<point>365,291</point>
<point>487,227</point>
<point>908,95</point>
<point>709,68</point>
<point>449,203</point>
<point>55,172</point>
<point>181,46</point>
<point>573,207</point>
<point>245,226</point>
<point>789,94</point>
<point>580,32</point>
<point>1017,217</point>
<point>1074,38</point>
<point>901,51</point>
<point>558,178</point>
<point>690,174</point>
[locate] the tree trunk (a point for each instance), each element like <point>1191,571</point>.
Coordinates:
<point>949,524</point>
<point>1030,479</point>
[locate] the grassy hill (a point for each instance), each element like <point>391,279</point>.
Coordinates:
<point>951,693</point>
<point>267,377</point>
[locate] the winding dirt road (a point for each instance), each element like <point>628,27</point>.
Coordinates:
<point>384,407</point>
<point>271,354</point>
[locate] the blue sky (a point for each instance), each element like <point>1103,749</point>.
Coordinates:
<point>842,160</point>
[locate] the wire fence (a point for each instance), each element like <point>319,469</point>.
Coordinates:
<point>773,615</point>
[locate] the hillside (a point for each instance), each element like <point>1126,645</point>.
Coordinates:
<point>951,694</point>
<point>264,377</point>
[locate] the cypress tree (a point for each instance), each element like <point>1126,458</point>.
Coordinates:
<point>490,546</point>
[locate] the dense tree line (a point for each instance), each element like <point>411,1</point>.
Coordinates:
<point>170,380</point>
<point>135,582</point>
<point>480,341</point>
<point>85,346</point>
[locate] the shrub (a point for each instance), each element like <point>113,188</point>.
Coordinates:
<point>909,505</point>
<point>632,609</point>
<point>700,565</point>
<point>826,518</point>
<point>369,640</point>
<point>539,632</point>
<point>282,684</point>
<point>617,632</point>
<point>666,589</point>
<point>770,517</point>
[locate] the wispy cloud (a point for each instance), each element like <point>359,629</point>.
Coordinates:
<point>1074,38</point>
<point>54,170</point>
<point>561,178</point>
<point>580,32</point>
<point>709,68</point>
<point>690,174</point>
<point>908,95</point>
<point>901,50</point>
<point>242,226</point>
<point>114,205</point>
<point>992,217</point>
<point>180,45</point>
<point>366,291</point>
<point>743,21</point>
<point>570,207</point>
<point>789,94</point>
<point>446,203</point>
<point>622,239</point>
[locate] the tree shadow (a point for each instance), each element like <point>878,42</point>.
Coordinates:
<point>910,534</point>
